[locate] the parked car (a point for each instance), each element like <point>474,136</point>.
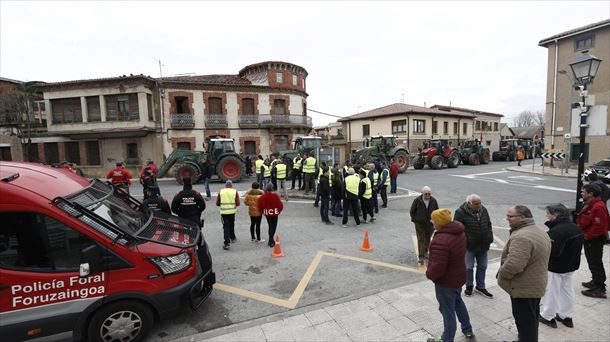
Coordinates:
<point>602,168</point>
<point>82,260</point>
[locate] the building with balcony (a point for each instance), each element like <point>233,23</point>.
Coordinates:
<point>263,107</point>
<point>414,124</point>
<point>562,122</point>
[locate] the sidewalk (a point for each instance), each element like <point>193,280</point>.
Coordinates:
<point>526,166</point>
<point>410,313</point>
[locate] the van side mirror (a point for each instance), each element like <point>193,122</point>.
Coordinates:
<point>90,260</point>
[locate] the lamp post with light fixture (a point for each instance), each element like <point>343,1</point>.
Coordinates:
<point>584,68</point>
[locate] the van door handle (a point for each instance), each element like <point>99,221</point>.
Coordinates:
<point>2,286</point>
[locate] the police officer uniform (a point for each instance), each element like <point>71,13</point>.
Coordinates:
<point>189,203</point>
<point>155,202</point>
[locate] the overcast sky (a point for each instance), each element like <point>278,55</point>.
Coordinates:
<point>360,55</point>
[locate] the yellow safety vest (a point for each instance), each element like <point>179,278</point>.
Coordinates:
<point>297,163</point>
<point>227,201</point>
<point>319,173</point>
<point>310,165</point>
<point>375,177</point>
<point>330,178</point>
<point>352,183</point>
<point>387,177</point>
<point>267,172</point>
<point>258,164</point>
<point>280,170</point>
<point>368,193</point>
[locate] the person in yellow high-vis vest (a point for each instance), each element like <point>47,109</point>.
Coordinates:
<point>279,172</point>
<point>352,193</point>
<point>266,171</point>
<point>319,174</point>
<point>297,163</point>
<point>366,197</point>
<point>373,175</point>
<point>257,169</point>
<point>384,181</point>
<point>309,170</point>
<point>228,201</point>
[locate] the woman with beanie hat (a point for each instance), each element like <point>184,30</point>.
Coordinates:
<point>447,269</point>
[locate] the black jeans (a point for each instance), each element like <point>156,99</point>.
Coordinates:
<point>228,227</point>
<point>353,204</point>
<point>255,223</point>
<point>324,206</point>
<point>367,207</point>
<point>525,312</point>
<point>383,191</point>
<point>594,251</point>
<point>296,174</point>
<point>272,221</point>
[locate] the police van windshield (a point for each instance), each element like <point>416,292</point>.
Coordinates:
<point>108,205</point>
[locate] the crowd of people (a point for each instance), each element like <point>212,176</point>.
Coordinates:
<point>536,267</point>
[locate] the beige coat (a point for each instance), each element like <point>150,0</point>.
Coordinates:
<point>525,260</point>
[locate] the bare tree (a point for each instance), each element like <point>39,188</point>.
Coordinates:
<point>529,118</point>
<point>16,113</point>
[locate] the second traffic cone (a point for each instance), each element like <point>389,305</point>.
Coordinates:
<point>366,246</point>
<point>277,251</point>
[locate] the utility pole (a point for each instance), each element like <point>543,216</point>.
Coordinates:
<point>161,65</point>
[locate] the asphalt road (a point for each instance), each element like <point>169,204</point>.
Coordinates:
<point>323,264</point>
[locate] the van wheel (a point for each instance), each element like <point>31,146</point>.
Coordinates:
<point>120,321</point>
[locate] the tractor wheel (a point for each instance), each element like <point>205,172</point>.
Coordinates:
<point>436,162</point>
<point>453,160</point>
<point>474,159</point>
<point>511,156</point>
<point>402,159</point>
<point>419,162</point>
<point>485,159</point>
<point>188,170</point>
<point>495,156</point>
<point>464,159</point>
<point>230,167</point>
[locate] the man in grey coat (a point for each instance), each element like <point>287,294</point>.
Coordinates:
<point>523,270</point>
<point>479,236</point>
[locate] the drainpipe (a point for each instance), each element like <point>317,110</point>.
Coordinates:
<point>554,96</point>
<point>408,134</point>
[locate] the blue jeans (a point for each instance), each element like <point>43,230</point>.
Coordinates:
<point>392,185</point>
<point>481,259</point>
<point>336,207</point>
<point>450,304</point>
<point>206,184</point>
<point>324,206</point>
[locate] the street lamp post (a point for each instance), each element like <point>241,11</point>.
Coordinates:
<point>584,68</point>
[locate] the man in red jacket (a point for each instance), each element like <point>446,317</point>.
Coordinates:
<point>447,269</point>
<point>120,177</point>
<point>393,176</point>
<point>271,206</point>
<point>593,221</point>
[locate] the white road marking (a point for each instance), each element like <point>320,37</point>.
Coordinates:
<point>410,193</point>
<point>513,182</point>
<point>527,178</point>
<point>473,175</point>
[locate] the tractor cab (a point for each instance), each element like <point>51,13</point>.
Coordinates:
<point>383,141</point>
<point>307,143</point>
<point>218,146</point>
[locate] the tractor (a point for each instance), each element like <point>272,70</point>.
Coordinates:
<point>382,147</point>
<point>224,162</point>
<point>508,150</point>
<point>436,153</point>
<point>473,153</point>
<point>302,145</point>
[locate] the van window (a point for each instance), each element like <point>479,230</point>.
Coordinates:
<point>37,242</point>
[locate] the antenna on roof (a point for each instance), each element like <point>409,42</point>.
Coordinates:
<point>403,96</point>
<point>161,65</point>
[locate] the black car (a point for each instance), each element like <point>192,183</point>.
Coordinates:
<point>602,168</point>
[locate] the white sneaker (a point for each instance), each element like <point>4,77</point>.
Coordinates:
<point>260,241</point>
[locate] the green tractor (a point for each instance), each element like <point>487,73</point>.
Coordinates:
<point>224,162</point>
<point>302,145</point>
<point>383,147</point>
<point>508,150</point>
<point>473,153</point>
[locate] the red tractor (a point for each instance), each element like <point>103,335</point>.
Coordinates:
<point>436,153</point>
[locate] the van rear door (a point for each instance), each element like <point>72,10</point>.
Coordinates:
<point>42,290</point>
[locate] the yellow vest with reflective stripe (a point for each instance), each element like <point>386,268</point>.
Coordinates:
<point>258,164</point>
<point>387,177</point>
<point>227,201</point>
<point>368,193</point>
<point>310,165</point>
<point>319,173</point>
<point>280,171</point>
<point>375,177</point>
<point>330,178</point>
<point>267,172</point>
<point>352,183</point>
<point>297,163</point>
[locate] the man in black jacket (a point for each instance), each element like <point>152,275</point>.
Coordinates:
<point>206,177</point>
<point>421,209</point>
<point>156,202</point>
<point>566,245</point>
<point>324,189</point>
<point>479,236</point>
<point>188,203</point>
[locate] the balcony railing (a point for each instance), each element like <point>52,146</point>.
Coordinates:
<point>216,121</point>
<point>285,121</point>
<point>182,120</point>
<point>248,121</point>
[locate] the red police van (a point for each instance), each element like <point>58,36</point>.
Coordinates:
<point>80,259</point>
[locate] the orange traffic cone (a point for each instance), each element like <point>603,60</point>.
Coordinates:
<point>277,251</point>
<point>366,246</point>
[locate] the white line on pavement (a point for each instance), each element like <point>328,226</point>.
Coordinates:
<point>473,175</point>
